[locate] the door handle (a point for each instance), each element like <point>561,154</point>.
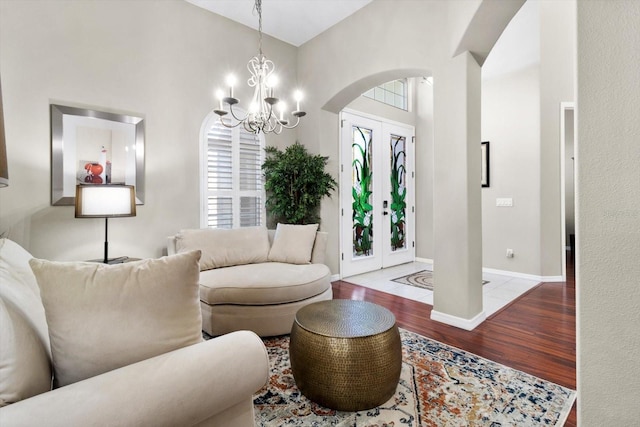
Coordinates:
<point>385,204</point>
<point>385,213</point>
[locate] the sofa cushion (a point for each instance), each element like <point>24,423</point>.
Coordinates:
<point>25,370</point>
<point>102,317</point>
<point>293,243</point>
<point>225,247</point>
<point>19,287</point>
<point>263,284</point>
<point>25,365</point>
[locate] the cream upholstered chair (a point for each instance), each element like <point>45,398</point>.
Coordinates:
<point>84,326</point>
<point>257,279</point>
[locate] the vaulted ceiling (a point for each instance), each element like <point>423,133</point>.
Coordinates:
<point>292,21</point>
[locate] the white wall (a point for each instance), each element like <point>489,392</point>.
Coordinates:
<point>526,76</point>
<point>160,59</point>
<point>424,169</point>
<point>608,212</point>
<point>511,124</point>
<point>557,81</point>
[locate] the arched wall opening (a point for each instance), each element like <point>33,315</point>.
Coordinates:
<point>418,115</point>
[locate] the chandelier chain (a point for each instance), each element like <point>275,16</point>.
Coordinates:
<point>258,8</point>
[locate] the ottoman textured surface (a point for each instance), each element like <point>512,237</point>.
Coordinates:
<point>346,354</point>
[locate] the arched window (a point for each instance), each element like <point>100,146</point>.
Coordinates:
<point>232,193</point>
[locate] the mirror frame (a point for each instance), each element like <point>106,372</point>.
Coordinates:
<point>58,112</point>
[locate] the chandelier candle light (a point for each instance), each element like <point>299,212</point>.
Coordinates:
<point>260,117</point>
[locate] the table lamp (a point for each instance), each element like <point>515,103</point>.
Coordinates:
<point>105,201</point>
<point>4,169</point>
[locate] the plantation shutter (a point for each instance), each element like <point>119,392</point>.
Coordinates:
<point>250,185</point>
<point>234,188</point>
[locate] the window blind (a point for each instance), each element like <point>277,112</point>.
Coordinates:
<point>234,195</point>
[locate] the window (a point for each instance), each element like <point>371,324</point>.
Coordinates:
<point>232,182</point>
<point>393,93</point>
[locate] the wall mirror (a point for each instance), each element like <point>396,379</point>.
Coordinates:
<point>484,150</point>
<point>94,147</point>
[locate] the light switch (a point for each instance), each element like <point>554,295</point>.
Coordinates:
<point>504,201</point>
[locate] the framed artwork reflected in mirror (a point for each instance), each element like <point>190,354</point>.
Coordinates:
<point>94,147</point>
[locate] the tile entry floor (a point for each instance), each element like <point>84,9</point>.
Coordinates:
<point>500,290</point>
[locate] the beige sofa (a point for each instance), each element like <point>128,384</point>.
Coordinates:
<point>205,384</point>
<point>256,279</point>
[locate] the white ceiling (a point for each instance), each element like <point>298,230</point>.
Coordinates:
<point>292,21</point>
<point>298,21</point>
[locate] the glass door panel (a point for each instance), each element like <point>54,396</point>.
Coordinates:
<point>398,195</point>
<point>361,190</point>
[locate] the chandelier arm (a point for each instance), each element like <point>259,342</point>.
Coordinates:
<point>228,126</point>
<point>270,125</point>
<point>234,114</point>
<point>273,126</point>
<point>291,126</point>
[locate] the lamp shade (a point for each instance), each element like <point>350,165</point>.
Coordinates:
<point>105,201</point>
<point>4,169</point>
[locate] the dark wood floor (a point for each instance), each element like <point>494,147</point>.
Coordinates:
<point>535,334</point>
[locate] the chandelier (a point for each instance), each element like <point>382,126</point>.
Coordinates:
<point>260,116</point>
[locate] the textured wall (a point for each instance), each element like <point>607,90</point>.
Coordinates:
<point>608,212</point>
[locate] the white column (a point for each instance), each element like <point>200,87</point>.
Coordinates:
<point>457,194</point>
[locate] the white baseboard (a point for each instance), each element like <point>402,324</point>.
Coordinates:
<point>507,273</point>
<point>459,322</point>
<point>491,271</point>
<point>523,275</point>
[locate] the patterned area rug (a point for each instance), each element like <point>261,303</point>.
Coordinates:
<point>422,279</point>
<point>440,386</point>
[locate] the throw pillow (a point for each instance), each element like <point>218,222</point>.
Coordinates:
<point>226,247</point>
<point>24,364</point>
<point>103,317</point>
<point>293,244</point>
<point>19,287</point>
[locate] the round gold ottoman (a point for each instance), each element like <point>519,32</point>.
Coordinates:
<point>346,354</point>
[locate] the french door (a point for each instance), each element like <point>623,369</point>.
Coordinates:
<point>376,194</point>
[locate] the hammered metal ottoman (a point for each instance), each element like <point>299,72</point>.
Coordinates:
<point>346,354</point>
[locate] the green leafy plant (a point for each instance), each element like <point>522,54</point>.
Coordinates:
<point>295,183</point>
<point>361,192</point>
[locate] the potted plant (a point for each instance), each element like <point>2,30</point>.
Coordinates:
<point>295,183</point>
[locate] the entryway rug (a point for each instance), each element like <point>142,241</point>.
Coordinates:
<point>440,386</point>
<point>422,279</point>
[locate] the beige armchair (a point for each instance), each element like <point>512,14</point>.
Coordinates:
<point>203,384</point>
